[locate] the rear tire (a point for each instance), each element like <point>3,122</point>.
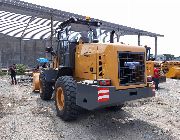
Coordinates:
<point>65,98</point>
<point>46,89</point>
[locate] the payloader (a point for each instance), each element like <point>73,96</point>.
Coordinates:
<point>89,74</point>
<point>172,69</point>
<point>167,65</point>
<point>151,64</point>
<point>174,72</point>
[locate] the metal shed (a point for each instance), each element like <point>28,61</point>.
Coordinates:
<point>29,21</point>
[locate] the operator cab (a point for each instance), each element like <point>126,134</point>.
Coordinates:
<point>75,30</point>
<point>72,32</point>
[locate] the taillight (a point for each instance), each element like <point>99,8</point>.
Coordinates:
<point>104,82</point>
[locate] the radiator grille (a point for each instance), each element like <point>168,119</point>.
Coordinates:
<point>131,68</point>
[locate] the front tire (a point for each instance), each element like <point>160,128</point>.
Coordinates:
<point>65,98</point>
<point>46,89</point>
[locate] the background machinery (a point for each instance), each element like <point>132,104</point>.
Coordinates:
<point>167,69</point>
<point>171,69</point>
<point>174,72</point>
<point>89,74</point>
<point>151,64</point>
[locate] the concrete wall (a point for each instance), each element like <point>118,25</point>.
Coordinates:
<point>12,52</point>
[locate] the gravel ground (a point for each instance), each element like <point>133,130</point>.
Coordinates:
<point>23,115</point>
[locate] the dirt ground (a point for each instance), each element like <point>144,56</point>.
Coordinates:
<point>23,115</point>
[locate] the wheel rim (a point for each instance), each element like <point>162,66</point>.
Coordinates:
<point>33,85</point>
<point>60,98</point>
<point>40,86</point>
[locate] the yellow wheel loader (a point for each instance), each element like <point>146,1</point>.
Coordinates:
<point>171,69</point>
<point>174,72</point>
<point>89,74</point>
<point>151,64</point>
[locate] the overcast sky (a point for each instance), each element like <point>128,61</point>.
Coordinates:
<point>158,16</point>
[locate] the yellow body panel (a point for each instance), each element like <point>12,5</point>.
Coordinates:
<point>174,72</point>
<point>100,61</point>
<point>150,68</point>
<point>85,58</point>
<point>36,81</point>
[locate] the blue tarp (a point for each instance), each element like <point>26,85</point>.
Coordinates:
<point>42,60</point>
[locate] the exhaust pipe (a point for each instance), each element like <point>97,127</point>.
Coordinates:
<point>112,37</point>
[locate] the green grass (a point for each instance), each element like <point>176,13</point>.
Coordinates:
<point>2,73</point>
<point>20,69</point>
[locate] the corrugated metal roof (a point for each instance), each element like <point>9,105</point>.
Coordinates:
<point>26,20</point>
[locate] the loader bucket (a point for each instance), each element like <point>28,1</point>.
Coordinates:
<point>36,86</point>
<point>174,72</point>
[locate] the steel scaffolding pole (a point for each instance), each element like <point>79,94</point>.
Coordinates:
<point>139,40</point>
<point>155,47</point>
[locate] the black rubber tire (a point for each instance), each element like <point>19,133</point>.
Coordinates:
<point>70,110</point>
<point>47,90</point>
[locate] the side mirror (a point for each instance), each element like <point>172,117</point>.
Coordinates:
<point>49,49</point>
